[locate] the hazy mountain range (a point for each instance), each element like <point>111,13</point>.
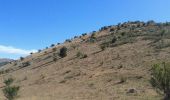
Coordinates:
<point>4,61</point>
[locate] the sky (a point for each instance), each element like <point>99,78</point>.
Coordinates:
<point>28,25</point>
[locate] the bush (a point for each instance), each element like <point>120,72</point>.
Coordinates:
<point>39,50</point>
<point>81,55</point>
<point>103,28</point>
<point>58,43</point>
<point>103,47</point>
<point>123,33</point>
<point>25,64</point>
<point>10,92</point>
<point>161,78</point>
<point>21,58</point>
<point>93,36</point>
<point>114,39</point>
<point>63,52</point>
<point>67,40</point>
<point>9,81</point>
<point>84,34</point>
<point>75,37</point>
<point>54,59</point>
<point>52,45</point>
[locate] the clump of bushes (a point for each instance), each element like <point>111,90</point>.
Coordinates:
<point>63,52</point>
<point>84,34</point>
<point>104,28</point>
<point>10,92</point>
<point>161,78</point>
<point>4,71</point>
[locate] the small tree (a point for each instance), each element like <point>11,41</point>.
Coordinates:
<point>63,52</point>
<point>161,78</point>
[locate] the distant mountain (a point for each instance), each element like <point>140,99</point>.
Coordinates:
<point>4,61</point>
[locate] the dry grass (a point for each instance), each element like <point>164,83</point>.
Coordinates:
<point>102,75</point>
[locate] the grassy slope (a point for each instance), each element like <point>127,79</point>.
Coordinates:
<point>97,77</point>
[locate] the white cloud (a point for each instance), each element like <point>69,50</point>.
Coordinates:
<point>13,50</point>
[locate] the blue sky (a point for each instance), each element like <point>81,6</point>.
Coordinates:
<point>27,25</point>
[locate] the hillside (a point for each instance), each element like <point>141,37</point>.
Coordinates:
<point>113,63</point>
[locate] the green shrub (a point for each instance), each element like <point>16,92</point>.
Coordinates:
<point>161,78</point>
<point>63,52</point>
<point>10,92</point>
<point>9,81</point>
